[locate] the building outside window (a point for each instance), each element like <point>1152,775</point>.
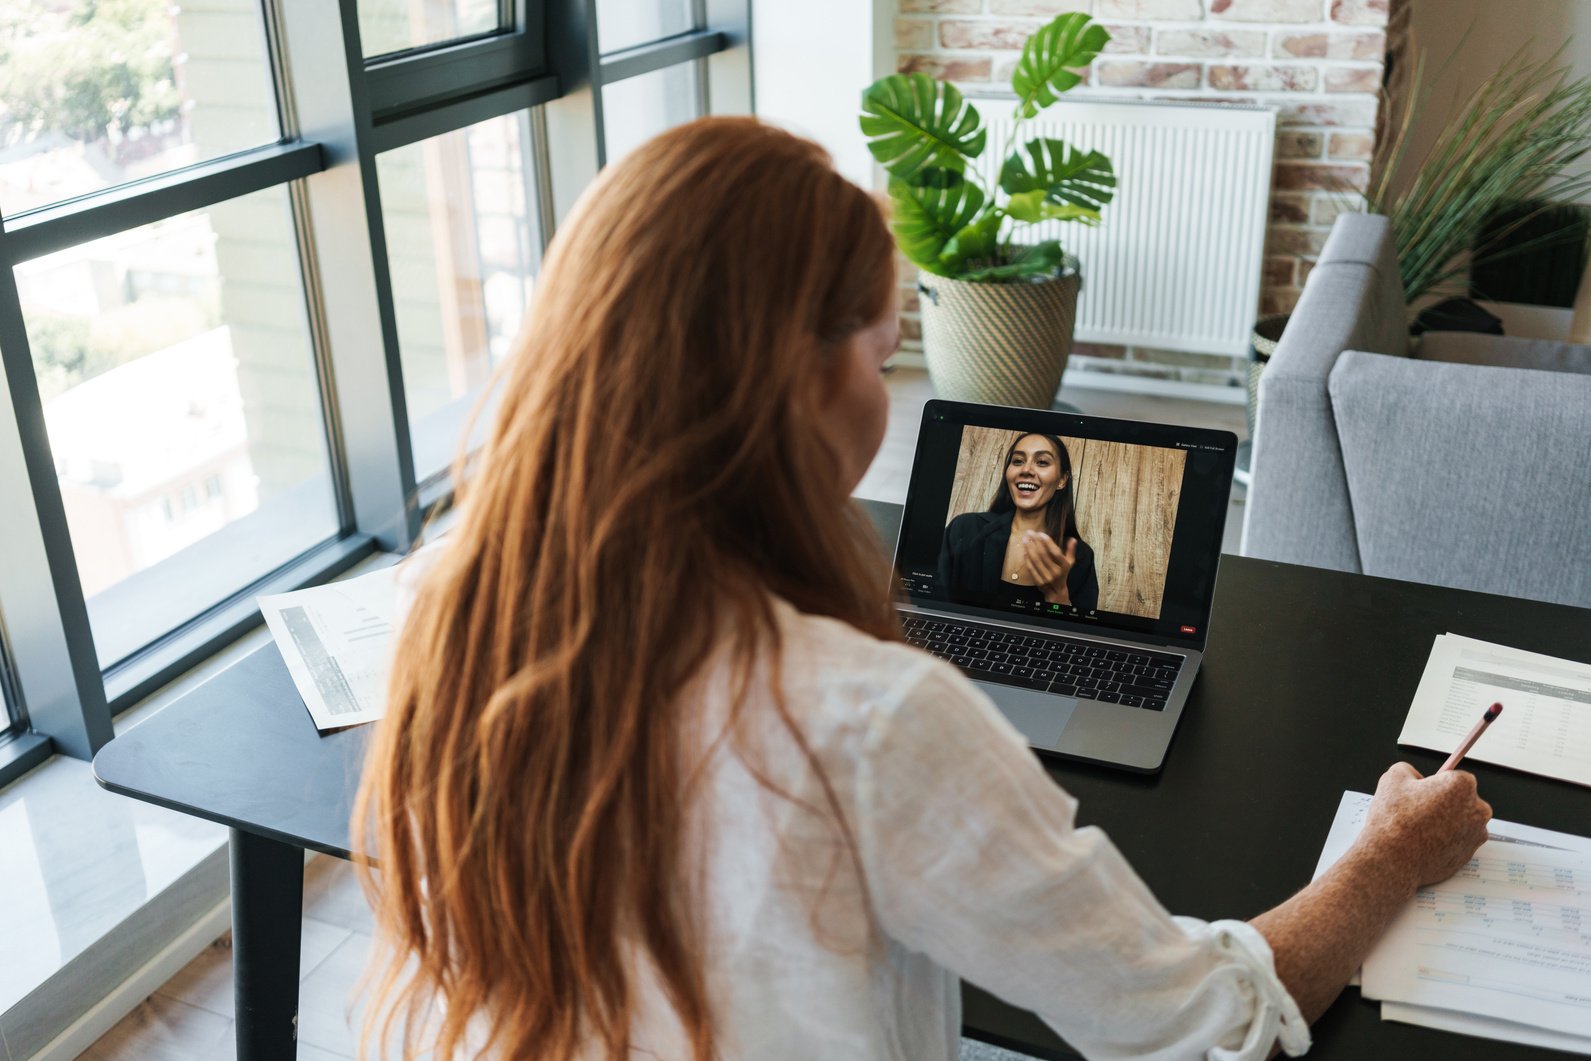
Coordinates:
<point>95,94</point>
<point>461,221</point>
<point>168,355</point>
<point>387,26</point>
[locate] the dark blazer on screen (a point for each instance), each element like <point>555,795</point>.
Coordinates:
<point>974,550</point>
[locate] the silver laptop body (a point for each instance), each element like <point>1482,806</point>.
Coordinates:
<point>1150,501</point>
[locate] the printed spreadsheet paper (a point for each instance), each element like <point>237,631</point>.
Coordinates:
<point>336,640</point>
<point>1545,727</point>
<point>1502,950</point>
<point>1507,937</point>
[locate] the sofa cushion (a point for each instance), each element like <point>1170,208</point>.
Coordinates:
<point>1468,475</point>
<point>1473,348</point>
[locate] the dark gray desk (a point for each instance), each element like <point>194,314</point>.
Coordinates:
<point>1304,689</point>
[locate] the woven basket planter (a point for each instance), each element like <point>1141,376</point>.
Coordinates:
<point>998,344</point>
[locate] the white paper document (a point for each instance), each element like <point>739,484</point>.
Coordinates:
<point>337,642</point>
<point>1484,1027</point>
<point>1507,937</point>
<point>1501,950</point>
<point>1545,727</point>
<point>1351,818</point>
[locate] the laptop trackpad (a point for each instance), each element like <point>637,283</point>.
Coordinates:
<point>1039,716</point>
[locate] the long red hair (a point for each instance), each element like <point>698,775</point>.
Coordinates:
<point>651,479</point>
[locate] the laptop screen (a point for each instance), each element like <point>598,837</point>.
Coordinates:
<point>1073,521</point>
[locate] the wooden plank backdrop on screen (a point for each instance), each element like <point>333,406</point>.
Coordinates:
<point>1126,507</point>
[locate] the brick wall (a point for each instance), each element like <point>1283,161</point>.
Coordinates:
<point>1320,62</point>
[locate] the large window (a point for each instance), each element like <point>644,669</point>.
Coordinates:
<point>624,24</point>
<point>258,264</point>
<point>460,215</point>
<point>95,93</point>
<point>387,26</point>
<point>180,394</point>
<point>20,749</point>
<point>655,69</point>
<point>10,700</point>
<point>638,108</point>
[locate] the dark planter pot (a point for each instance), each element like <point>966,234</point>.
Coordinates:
<point>1262,344</point>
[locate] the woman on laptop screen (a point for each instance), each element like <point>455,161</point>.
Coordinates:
<point>1026,546</point>
<point>660,778</point>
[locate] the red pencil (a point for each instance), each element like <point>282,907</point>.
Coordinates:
<point>1474,735</point>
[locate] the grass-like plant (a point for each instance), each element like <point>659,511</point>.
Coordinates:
<point>947,219</point>
<point>1514,139</point>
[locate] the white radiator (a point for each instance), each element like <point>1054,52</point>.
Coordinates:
<point>1176,261</point>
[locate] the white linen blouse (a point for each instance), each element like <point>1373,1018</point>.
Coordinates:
<point>962,860</point>
<point>967,863</point>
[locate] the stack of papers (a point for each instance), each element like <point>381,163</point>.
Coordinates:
<point>1500,950</point>
<point>336,640</point>
<point>1545,727</point>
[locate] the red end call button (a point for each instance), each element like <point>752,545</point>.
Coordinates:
<point>1188,629</point>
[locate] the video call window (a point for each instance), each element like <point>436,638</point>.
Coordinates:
<point>1109,508</point>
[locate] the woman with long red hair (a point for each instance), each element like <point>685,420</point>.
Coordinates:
<point>659,777</point>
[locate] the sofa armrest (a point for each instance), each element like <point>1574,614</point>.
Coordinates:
<point>1470,476</point>
<point>1352,301</point>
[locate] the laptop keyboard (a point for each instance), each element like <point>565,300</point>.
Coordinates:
<point>1064,665</point>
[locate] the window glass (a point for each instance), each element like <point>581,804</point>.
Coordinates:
<point>94,93</point>
<point>9,697</point>
<point>638,108</point>
<point>463,246</point>
<point>183,409</point>
<point>626,23</point>
<point>395,25</point>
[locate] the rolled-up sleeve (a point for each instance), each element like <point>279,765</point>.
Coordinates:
<point>973,858</point>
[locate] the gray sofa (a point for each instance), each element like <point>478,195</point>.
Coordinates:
<point>1465,461</point>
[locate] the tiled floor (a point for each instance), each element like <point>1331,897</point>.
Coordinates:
<point>191,1019</point>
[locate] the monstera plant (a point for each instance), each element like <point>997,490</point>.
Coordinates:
<point>997,308</point>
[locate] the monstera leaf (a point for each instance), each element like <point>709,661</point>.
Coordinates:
<point>914,123</point>
<point>931,214</point>
<point>1066,175</point>
<point>1049,57</point>
<point>1036,206</point>
<point>1038,259</point>
<point>977,242</point>
<point>947,219</point>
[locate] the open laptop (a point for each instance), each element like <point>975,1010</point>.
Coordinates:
<point>1089,647</point>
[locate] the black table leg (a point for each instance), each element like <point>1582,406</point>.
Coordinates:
<point>267,915</point>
